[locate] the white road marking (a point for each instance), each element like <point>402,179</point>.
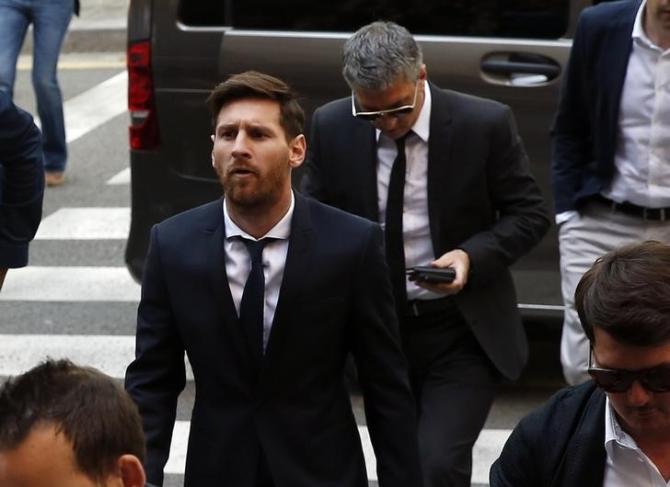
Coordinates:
<point>121,178</point>
<point>79,284</point>
<point>109,353</point>
<point>486,450</point>
<point>85,224</point>
<point>94,107</point>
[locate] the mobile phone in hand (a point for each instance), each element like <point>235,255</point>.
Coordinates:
<point>433,275</point>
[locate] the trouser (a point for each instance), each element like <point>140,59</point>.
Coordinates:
<point>50,19</point>
<point>592,233</point>
<point>454,384</point>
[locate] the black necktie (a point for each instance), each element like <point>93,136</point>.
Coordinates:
<point>395,253</point>
<point>253,302</point>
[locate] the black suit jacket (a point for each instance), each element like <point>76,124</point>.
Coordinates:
<point>335,298</point>
<point>562,444</point>
<point>481,198</point>
<point>587,121</point>
<point>22,182</point>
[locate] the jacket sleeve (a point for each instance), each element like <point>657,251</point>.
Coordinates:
<point>158,374</point>
<point>522,216</point>
<point>517,466</point>
<point>22,183</point>
<point>382,371</point>
<point>572,130</point>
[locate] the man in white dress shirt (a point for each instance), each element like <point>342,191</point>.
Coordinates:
<point>615,430</point>
<point>611,154</point>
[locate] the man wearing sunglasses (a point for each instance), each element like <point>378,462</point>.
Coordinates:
<point>447,176</point>
<point>615,429</point>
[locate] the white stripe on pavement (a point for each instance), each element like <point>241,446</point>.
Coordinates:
<point>80,284</point>
<point>109,353</point>
<point>85,224</point>
<point>121,178</point>
<point>89,110</point>
<point>486,450</point>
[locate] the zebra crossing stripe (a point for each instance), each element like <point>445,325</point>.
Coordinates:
<point>122,177</point>
<point>76,284</point>
<point>85,224</point>
<point>84,112</point>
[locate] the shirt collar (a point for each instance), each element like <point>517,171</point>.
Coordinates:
<point>281,230</point>
<point>638,34</point>
<point>614,434</point>
<point>422,125</point>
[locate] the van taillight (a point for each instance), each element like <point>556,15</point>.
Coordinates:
<point>143,128</point>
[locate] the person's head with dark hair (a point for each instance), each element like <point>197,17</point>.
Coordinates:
<point>252,84</point>
<point>257,142</point>
<point>627,294</point>
<point>623,302</point>
<point>65,425</point>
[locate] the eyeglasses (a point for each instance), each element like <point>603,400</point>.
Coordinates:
<point>654,379</point>
<point>393,112</point>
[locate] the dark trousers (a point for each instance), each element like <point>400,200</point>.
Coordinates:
<point>454,385</point>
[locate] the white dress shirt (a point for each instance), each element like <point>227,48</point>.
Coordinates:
<point>415,223</point>
<point>626,465</point>
<point>238,263</point>
<point>642,157</point>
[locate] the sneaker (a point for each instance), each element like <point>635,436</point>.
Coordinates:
<point>55,178</point>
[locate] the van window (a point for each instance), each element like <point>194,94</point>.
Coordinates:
<point>543,19</point>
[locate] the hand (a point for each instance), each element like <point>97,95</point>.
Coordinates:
<point>457,259</point>
<point>3,272</point>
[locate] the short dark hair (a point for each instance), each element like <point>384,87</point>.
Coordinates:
<point>252,84</point>
<point>93,412</point>
<point>626,293</point>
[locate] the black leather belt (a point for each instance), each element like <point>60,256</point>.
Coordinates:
<point>654,214</point>
<point>419,307</point>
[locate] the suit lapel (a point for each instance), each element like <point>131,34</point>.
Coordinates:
<point>298,264</point>
<point>215,233</point>
<point>440,162</point>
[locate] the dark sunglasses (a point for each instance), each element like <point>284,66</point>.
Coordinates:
<point>654,379</point>
<point>393,112</point>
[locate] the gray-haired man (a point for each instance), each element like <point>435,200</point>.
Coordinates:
<point>447,176</point>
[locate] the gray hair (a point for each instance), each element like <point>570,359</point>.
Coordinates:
<point>379,54</point>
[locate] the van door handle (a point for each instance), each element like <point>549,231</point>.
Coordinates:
<point>510,67</point>
<point>520,69</point>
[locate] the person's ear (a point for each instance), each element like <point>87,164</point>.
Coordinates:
<point>132,472</point>
<point>297,151</point>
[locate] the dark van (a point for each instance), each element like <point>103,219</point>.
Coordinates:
<point>178,50</point>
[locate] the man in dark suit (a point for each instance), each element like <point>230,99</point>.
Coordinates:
<point>611,147</point>
<point>267,339</point>
<point>447,175</point>
<point>614,430</point>
<point>21,184</point>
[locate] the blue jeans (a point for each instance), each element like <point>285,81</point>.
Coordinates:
<point>50,19</point>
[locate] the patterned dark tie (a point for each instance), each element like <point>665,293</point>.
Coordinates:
<point>253,302</point>
<point>395,252</point>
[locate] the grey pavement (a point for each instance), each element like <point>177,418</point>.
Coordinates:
<point>100,27</point>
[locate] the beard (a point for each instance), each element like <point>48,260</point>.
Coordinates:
<point>254,192</point>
